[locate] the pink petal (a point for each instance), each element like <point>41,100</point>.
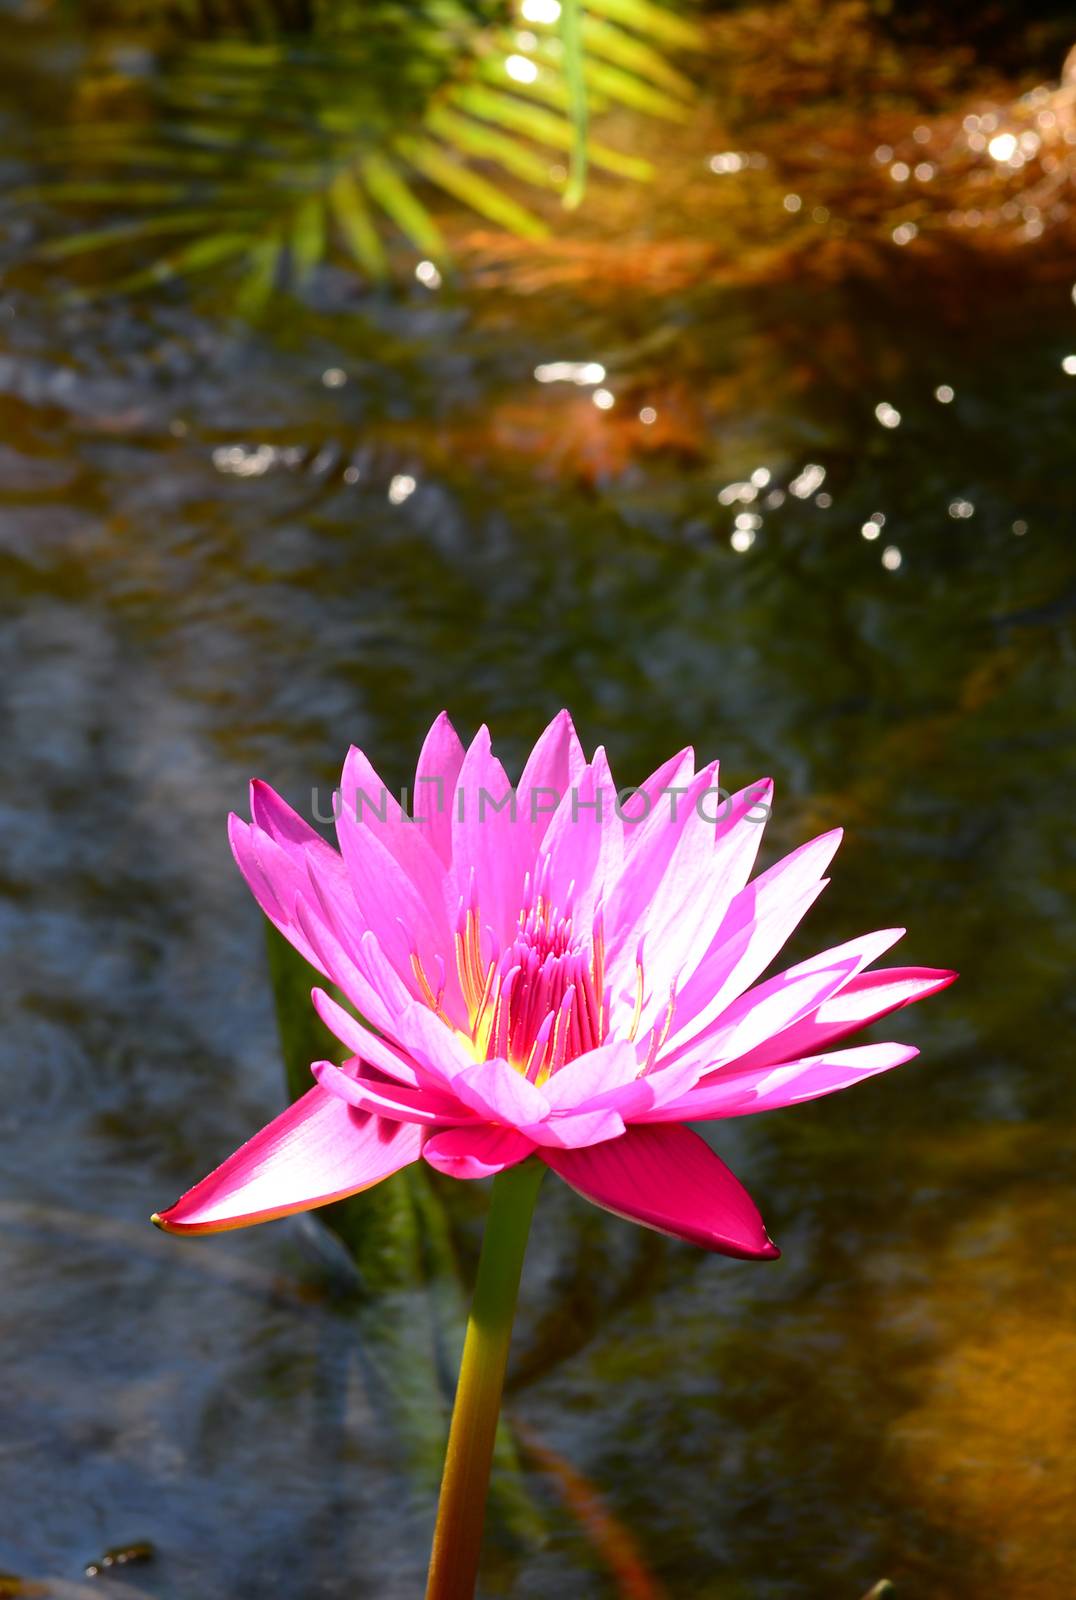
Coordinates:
<point>670,1180</point>
<point>864,999</point>
<point>761,918</point>
<point>318,1150</point>
<point>768,1008</point>
<point>570,1130</point>
<point>734,1092</point>
<point>433,1044</point>
<point>553,768</point>
<point>363,1043</point>
<point>495,1090</point>
<point>439,763</point>
<point>585,843</point>
<point>275,897</point>
<point>396,878</point>
<point>476,1152</point>
<point>669,856</point>
<point>676,773</point>
<point>685,909</point>
<point>488,840</point>
<point>597,1072</point>
<point>380,1000</point>
<point>389,1099</point>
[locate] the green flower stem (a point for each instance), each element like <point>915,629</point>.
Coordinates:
<point>461,1510</point>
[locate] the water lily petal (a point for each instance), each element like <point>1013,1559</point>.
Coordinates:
<point>866,998</point>
<point>389,1099</point>
<point>476,1152</point>
<point>397,879</point>
<point>772,1006</point>
<point>489,846</point>
<point>735,1092</point>
<point>553,768</point>
<point>276,898</point>
<point>760,920</point>
<point>439,763</point>
<point>364,1044</point>
<point>497,1091</point>
<point>573,1129</point>
<point>318,1150</point>
<point>576,1085</point>
<point>670,1180</point>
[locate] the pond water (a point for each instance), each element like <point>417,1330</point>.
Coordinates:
<point>230,550</point>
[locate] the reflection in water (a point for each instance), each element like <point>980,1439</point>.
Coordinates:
<point>219,547</point>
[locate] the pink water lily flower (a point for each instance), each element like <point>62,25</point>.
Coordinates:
<point>555,970</point>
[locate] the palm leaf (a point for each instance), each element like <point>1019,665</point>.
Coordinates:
<point>276,146</point>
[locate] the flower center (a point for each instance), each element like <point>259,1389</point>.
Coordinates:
<point>538,1002</point>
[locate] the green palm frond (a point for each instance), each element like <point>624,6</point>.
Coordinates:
<point>276,152</point>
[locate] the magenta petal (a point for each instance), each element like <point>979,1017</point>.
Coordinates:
<point>439,763</point>
<point>597,1072</point>
<point>361,1042</point>
<point>575,1129</point>
<point>737,1092</point>
<point>476,1152</point>
<point>318,1150</point>
<point>274,899</point>
<point>553,766</point>
<point>389,1099</point>
<point>490,846</point>
<point>495,1090</point>
<point>669,1179</point>
<point>867,998</point>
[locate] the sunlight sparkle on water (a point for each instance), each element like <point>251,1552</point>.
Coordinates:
<point>1002,146</point>
<point>961,509</point>
<point>521,69</point>
<point>742,539</point>
<point>240,462</point>
<point>792,202</point>
<point>648,415</point>
<point>761,477</point>
<point>891,558</point>
<point>401,487</point>
<point>887,415</point>
<point>1019,527</point>
<point>744,492</point>
<point>944,393</point>
<point>727,161</point>
<point>541,11</point>
<point>427,274</point>
<point>334,377</point>
<point>604,399</point>
<point>1068,365</point>
<point>584,373</point>
<point>870,530</point>
<point>806,482</point>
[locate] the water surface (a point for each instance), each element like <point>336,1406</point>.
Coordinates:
<point>178,612</point>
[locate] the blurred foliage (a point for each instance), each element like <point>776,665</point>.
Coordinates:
<point>273,134</point>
